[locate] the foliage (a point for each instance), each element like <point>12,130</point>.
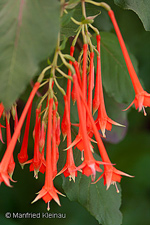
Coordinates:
<point>28,37</point>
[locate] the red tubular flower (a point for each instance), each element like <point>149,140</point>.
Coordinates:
<point>48,191</point>
<point>64,124</point>
<point>42,136</point>
<point>78,142</point>
<point>73,95</point>
<point>142,98</point>
<point>58,132</point>
<point>42,146</point>
<point>54,146</point>
<point>90,165</point>
<point>1,109</point>
<point>90,89</point>
<point>103,122</point>
<point>96,100</point>
<point>23,155</point>
<point>111,175</point>
<point>84,75</point>
<point>37,164</point>
<point>83,84</point>
<point>43,162</point>
<point>69,170</point>
<point>9,151</point>
<point>76,66</point>
<point>11,165</point>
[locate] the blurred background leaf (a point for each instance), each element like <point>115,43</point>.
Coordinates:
<point>141,8</point>
<point>28,34</point>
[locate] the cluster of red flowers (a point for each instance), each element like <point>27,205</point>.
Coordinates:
<point>47,129</point>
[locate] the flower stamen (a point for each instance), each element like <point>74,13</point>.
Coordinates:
<point>82,155</point>
<point>145,114</point>
<point>48,206</point>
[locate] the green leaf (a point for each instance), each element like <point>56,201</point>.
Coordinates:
<point>141,8</point>
<point>28,33</point>
<point>116,79</point>
<point>114,111</point>
<point>103,205</point>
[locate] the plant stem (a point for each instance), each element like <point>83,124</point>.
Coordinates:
<point>101,4</point>
<point>64,75</point>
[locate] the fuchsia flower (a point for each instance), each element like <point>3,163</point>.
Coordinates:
<point>78,142</point>
<point>103,122</point>
<point>11,165</point>
<point>23,155</point>
<point>37,163</point>
<point>42,136</point>
<point>84,73</point>
<point>9,151</point>
<point>90,89</point>
<point>58,131</point>
<point>69,170</point>
<point>73,93</point>
<point>64,125</point>
<point>48,191</point>
<point>54,146</point>
<point>90,165</point>
<point>142,98</point>
<point>96,100</point>
<point>111,175</point>
<point>76,66</point>
<point>1,109</point>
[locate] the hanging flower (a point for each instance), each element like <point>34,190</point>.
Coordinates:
<point>90,165</point>
<point>48,191</point>
<point>11,165</point>
<point>111,174</point>
<point>23,155</point>
<point>103,122</point>
<point>37,164</point>
<point>69,170</point>
<point>142,98</point>
<point>9,151</point>
<point>90,89</point>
